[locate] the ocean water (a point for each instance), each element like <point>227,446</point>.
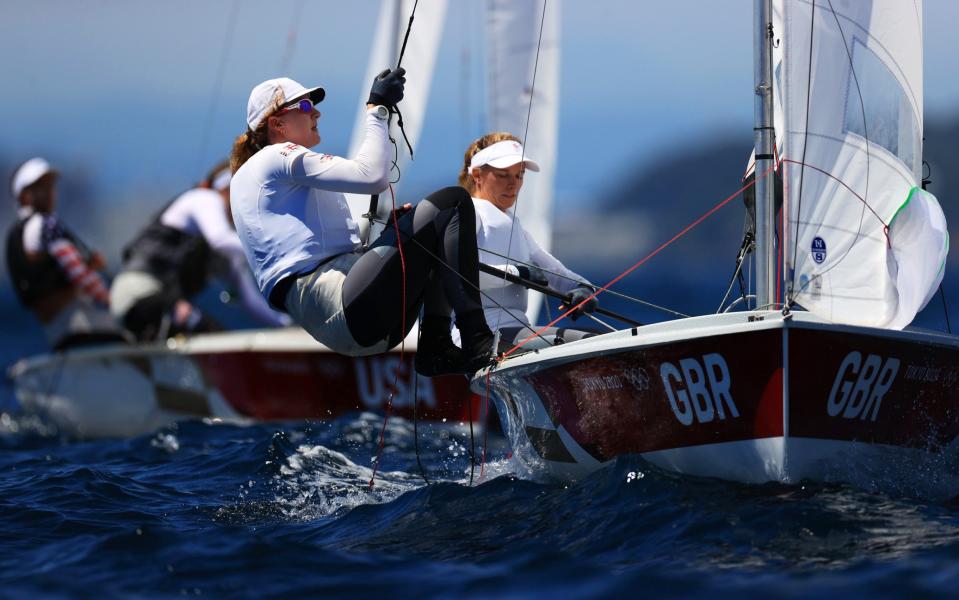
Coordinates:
<point>285,510</point>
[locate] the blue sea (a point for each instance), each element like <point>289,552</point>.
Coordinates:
<point>285,510</point>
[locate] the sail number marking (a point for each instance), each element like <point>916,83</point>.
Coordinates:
<point>698,389</point>
<point>860,384</point>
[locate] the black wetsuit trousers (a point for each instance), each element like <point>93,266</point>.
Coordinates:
<point>442,270</point>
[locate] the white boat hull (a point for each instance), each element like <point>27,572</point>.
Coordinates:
<point>121,390</point>
<point>750,397</point>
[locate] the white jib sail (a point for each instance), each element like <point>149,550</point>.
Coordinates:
<point>863,245</point>
<point>513,36</point>
<point>419,60</point>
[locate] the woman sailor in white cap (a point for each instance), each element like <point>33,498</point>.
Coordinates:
<point>173,259</point>
<point>54,274</point>
<point>304,247</point>
<point>493,171</point>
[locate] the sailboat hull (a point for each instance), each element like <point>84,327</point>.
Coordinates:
<point>125,390</point>
<point>746,397</point>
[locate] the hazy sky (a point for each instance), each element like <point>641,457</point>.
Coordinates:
<point>126,91</point>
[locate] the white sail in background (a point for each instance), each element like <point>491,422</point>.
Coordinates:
<point>513,35</point>
<point>863,245</point>
<point>421,49</point>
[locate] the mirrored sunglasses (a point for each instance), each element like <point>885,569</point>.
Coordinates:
<point>304,105</point>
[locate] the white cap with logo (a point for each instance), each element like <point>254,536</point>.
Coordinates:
<point>282,90</point>
<point>28,174</point>
<point>501,155</point>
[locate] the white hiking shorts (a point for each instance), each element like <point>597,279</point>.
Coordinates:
<point>315,302</point>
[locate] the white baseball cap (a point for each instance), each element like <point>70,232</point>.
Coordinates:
<point>28,174</point>
<point>221,180</point>
<point>501,155</point>
<point>282,90</point>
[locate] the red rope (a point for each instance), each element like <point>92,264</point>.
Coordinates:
<point>396,374</point>
<point>634,267</point>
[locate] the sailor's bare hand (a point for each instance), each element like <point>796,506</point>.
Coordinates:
<point>402,210</point>
<point>181,312</point>
<point>96,261</point>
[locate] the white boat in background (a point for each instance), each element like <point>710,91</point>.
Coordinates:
<point>827,385</point>
<point>122,390</point>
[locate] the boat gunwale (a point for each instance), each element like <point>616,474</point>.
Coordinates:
<point>698,327</point>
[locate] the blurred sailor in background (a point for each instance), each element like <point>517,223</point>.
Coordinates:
<point>190,241</point>
<point>54,274</point>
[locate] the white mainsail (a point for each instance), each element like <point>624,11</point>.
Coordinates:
<point>513,33</point>
<point>421,49</point>
<point>863,245</point>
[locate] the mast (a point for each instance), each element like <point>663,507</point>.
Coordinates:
<point>764,135</point>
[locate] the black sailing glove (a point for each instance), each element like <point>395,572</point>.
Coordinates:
<point>576,296</point>
<point>532,274</point>
<point>388,87</point>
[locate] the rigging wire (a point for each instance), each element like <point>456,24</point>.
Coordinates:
<point>945,308</point>
<point>291,38</point>
<point>416,398</point>
<point>442,262</point>
<point>396,374</point>
<point>642,261</point>
<point>746,247</point>
<point>218,80</point>
<point>573,279</point>
<point>373,210</point>
<point>472,443</point>
<point>529,112</point>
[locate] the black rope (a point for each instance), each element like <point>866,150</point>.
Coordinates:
<point>945,308</point>
<point>744,249</point>
<point>573,279</point>
<point>472,444</point>
<point>416,436</point>
<point>409,27</point>
<point>477,288</point>
<point>399,61</point>
<point>375,198</point>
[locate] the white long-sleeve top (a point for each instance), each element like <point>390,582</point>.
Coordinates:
<point>289,208</point>
<point>200,211</point>
<point>493,228</point>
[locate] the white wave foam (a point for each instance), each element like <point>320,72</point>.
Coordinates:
<point>318,482</point>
